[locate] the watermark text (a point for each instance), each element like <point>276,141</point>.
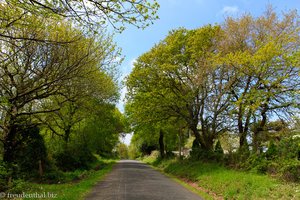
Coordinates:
<point>23,195</point>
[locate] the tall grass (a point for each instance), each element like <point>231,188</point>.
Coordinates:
<point>228,183</point>
<point>75,190</point>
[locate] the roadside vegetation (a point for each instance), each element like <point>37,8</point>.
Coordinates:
<point>58,91</point>
<point>220,182</point>
<point>73,185</point>
<point>224,99</point>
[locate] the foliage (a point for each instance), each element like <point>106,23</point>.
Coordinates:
<point>74,157</point>
<point>102,131</point>
<point>5,173</point>
<point>289,147</point>
<point>170,70</point>
<point>75,188</point>
<point>234,85</point>
<point>280,160</point>
<point>218,148</point>
<point>122,151</point>
<point>53,83</point>
<point>30,152</point>
<point>291,171</point>
<point>91,14</point>
<point>272,151</point>
<point>222,182</point>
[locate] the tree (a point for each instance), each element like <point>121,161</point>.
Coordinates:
<point>31,72</point>
<point>103,130</point>
<point>263,56</point>
<point>123,151</point>
<point>221,78</point>
<point>181,67</point>
<point>80,98</point>
<point>90,14</point>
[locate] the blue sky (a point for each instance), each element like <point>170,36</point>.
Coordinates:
<point>189,14</point>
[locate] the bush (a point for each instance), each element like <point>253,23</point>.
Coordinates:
<point>289,148</point>
<point>53,176</point>
<point>7,182</point>
<point>257,163</point>
<point>291,171</point>
<point>199,153</point>
<point>272,151</point>
<point>74,157</point>
<point>218,152</point>
<point>17,186</point>
<point>5,173</point>
<point>29,152</point>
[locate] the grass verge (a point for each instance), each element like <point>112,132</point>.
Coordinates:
<point>222,183</point>
<point>75,190</point>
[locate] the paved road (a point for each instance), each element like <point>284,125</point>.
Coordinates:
<point>133,180</point>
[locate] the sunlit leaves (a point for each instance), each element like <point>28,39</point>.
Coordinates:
<point>94,14</point>
<point>221,78</point>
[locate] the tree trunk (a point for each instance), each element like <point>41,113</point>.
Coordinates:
<point>9,144</point>
<point>209,141</point>
<point>258,131</point>
<point>180,143</point>
<point>161,144</point>
<point>207,137</point>
<point>41,171</point>
<point>197,135</point>
<point>67,135</point>
<point>242,134</point>
<point>243,129</point>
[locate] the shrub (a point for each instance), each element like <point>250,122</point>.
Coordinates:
<point>4,174</point>
<point>29,152</point>
<point>74,157</point>
<point>272,151</point>
<point>17,186</point>
<point>53,176</point>
<point>291,171</point>
<point>288,148</point>
<point>218,152</point>
<point>273,168</point>
<point>257,163</point>
<point>218,148</point>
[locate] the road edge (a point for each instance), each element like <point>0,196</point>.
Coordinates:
<point>200,193</point>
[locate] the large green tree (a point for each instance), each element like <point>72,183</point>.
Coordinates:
<point>221,78</point>
<point>263,55</point>
<point>32,71</point>
<point>178,78</point>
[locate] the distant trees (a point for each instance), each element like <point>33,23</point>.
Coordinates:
<point>220,79</point>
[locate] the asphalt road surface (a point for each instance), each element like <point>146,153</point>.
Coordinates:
<point>133,180</point>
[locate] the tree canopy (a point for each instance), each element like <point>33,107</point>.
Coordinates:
<point>222,78</point>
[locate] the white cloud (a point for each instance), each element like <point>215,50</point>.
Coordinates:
<point>121,103</point>
<point>132,63</point>
<point>128,67</point>
<point>230,10</point>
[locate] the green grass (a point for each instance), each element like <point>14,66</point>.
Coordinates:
<point>227,183</point>
<point>73,190</point>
